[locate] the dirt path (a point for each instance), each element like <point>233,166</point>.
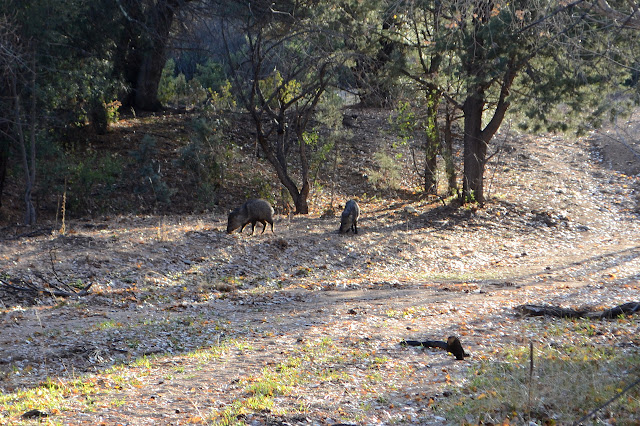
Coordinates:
<point>222,312</point>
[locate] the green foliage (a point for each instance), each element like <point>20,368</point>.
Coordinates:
<point>75,75</point>
<point>177,91</point>
<point>148,170</point>
<point>261,188</point>
<point>310,139</point>
<point>387,175</point>
<point>211,76</point>
<point>404,122</point>
<point>90,179</point>
<point>279,91</point>
<point>190,93</point>
<point>222,99</point>
<point>320,151</point>
<point>205,158</point>
<point>375,55</point>
<point>87,177</point>
<point>417,121</point>
<point>48,395</point>
<point>319,362</point>
<point>167,88</point>
<point>113,111</point>
<point>329,112</point>
<point>279,74</point>
<point>324,146</point>
<point>78,93</point>
<point>572,72</point>
<point>254,181</point>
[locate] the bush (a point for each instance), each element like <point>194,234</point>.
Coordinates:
<point>177,91</point>
<point>324,147</point>
<point>90,179</point>
<point>222,99</point>
<point>167,84</point>
<point>149,171</point>
<point>211,76</point>
<point>87,177</point>
<point>206,158</point>
<point>388,175</point>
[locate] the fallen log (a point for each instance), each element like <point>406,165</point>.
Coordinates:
<point>555,311</point>
<point>452,345</point>
<point>29,288</point>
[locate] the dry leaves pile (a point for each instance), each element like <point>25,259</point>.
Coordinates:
<point>316,314</point>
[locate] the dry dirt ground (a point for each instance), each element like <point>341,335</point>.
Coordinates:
<point>214,313</point>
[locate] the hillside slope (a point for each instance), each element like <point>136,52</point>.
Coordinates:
<point>221,311</point>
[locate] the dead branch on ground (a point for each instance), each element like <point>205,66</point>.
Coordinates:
<point>52,289</point>
<point>554,311</point>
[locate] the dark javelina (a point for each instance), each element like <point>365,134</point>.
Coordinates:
<point>253,211</point>
<point>349,218</point>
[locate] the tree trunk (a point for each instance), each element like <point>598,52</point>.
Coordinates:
<point>142,52</point>
<point>4,162</point>
<point>299,197</point>
<point>447,154</point>
<point>475,150</point>
<point>302,207</point>
<point>146,90</point>
<point>433,143</point>
<point>98,116</point>
<point>476,139</point>
<point>28,166</point>
<point>31,175</point>
<point>153,60</point>
<point>24,137</point>
<point>430,166</point>
<point>129,48</point>
<point>368,72</point>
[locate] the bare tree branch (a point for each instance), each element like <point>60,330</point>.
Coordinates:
<point>629,19</point>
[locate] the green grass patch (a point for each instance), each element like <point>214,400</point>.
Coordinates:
<point>50,397</point>
<point>230,416</point>
<point>54,396</point>
<point>109,324</point>
<point>567,383</point>
<point>315,362</point>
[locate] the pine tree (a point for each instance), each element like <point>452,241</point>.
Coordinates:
<point>497,55</point>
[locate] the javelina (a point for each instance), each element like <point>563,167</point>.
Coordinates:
<point>253,211</point>
<point>349,219</point>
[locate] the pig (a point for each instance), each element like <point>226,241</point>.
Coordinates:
<point>349,219</point>
<point>254,210</point>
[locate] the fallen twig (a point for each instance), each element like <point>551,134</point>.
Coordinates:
<point>554,311</point>
<point>55,273</point>
<point>54,292</point>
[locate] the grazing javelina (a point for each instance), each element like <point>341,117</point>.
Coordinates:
<point>349,218</point>
<point>253,211</point>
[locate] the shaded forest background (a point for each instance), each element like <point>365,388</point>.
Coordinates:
<point>154,106</point>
